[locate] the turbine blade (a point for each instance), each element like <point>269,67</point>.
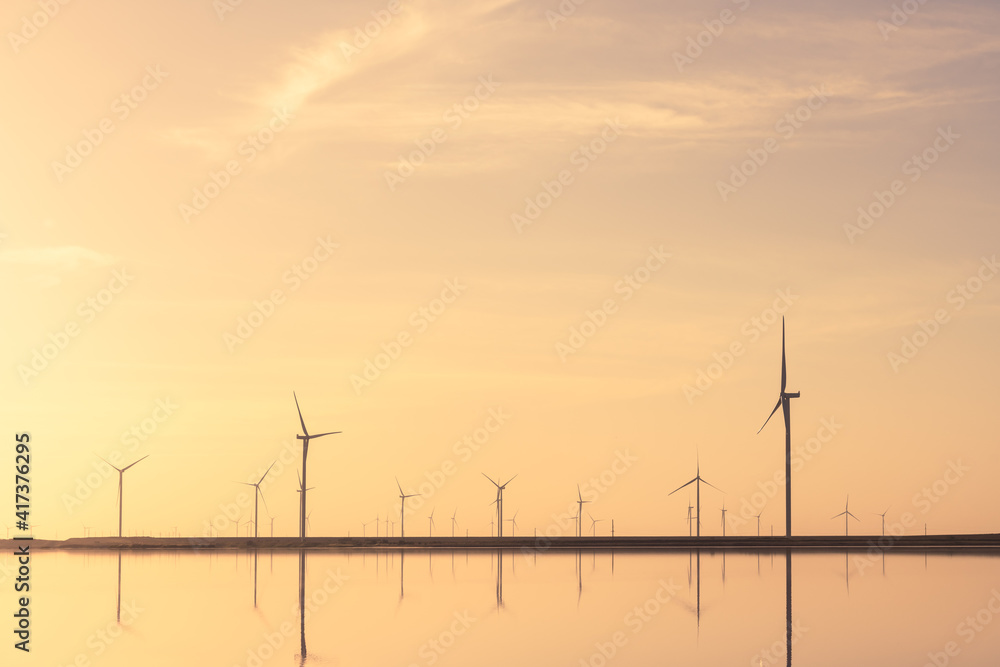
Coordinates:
<point>106,461</point>
<point>783,374</point>
<point>266,471</point>
<point>681,487</point>
<point>509,480</point>
<point>578,494</point>
<point>301,420</point>
<point>491,480</point>
<point>265,501</point>
<point>399,486</point>
<point>838,515</point>
<point>320,435</point>
<point>776,406</point>
<point>132,464</point>
<point>713,486</point>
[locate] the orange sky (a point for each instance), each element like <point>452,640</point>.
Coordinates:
<point>207,212</point>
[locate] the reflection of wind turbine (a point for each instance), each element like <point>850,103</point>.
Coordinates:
<point>883,518</point>
<point>305,437</point>
<point>697,481</point>
<point>784,402</point>
<point>847,515</point>
<point>579,511</point>
<point>258,494</point>
<point>402,506</point>
<point>121,500</point>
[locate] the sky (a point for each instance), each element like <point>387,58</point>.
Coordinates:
<point>551,240</point>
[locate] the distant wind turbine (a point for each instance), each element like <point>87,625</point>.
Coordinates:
<point>697,481</point>
<point>121,499</point>
<point>430,526</point>
<point>723,519</point>
<point>499,500</point>
<point>784,402</point>
<point>593,523</point>
<point>883,518</point>
<point>454,522</point>
<point>364,527</point>
<point>690,518</point>
<point>402,506</point>
<point>513,523</point>
<point>579,511</point>
<point>758,522</point>
<point>258,494</point>
<point>847,515</point>
<point>305,437</point>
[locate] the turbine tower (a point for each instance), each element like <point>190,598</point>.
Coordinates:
<point>579,511</point>
<point>847,515</point>
<point>121,499</point>
<point>258,494</point>
<point>499,500</point>
<point>402,506</point>
<point>697,481</point>
<point>784,402</point>
<point>305,437</point>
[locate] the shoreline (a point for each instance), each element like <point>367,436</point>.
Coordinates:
<point>985,542</point>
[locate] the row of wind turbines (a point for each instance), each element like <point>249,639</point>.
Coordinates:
<point>783,402</point>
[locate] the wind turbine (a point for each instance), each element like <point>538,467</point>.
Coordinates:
<point>121,500</point>
<point>258,494</point>
<point>697,481</point>
<point>689,517</point>
<point>723,519</point>
<point>305,437</point>
<point>593,523</point>
<point>513,522</point>
<point>758,521</point>
<point>430,522</point>
<point>499,500</point>
<point>402,506</point>
<point>883,518</point>
<point>302,490</point>
<point>847,515</point>
<point>454,522</point>
<point>579,511</point>
<point>364,527</point>
<point>784,402</point>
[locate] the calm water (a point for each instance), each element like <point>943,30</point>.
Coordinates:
<point>472,609</point>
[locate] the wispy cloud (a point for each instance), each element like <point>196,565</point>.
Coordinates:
<point>46,266</point>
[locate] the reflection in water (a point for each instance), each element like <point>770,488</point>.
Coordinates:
<point>401,554</point>
<point>118,612</point>
<point>302,605</point>
<point>788,605</point>
<point>499,578</point>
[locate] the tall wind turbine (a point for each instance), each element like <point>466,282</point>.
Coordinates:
<point>784,402</point>
<point>121,499</point>
<point>402,506</point>
<point>499,500</point>
<point>847,515</point>
<point>305,437</point>
<point>258,494</point>
<point>697,481</point>
<point>579,511</point>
